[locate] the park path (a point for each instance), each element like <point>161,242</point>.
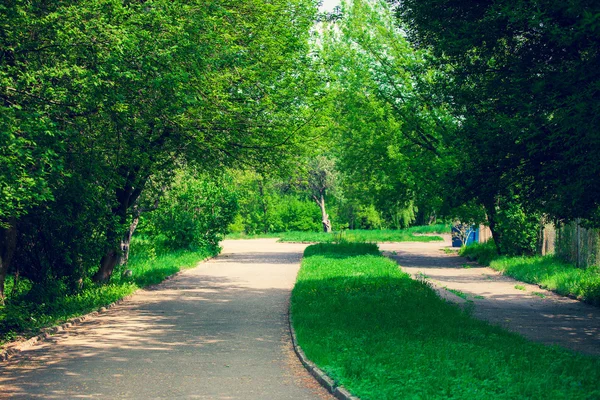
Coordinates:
<point>551,320</point>
<point>218,331</point>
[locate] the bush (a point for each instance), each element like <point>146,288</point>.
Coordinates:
<point>517,228</point>
<point>194,213</point>
<point>483,253</point>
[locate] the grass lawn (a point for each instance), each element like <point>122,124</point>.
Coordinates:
<point>385,336</point>
<point>413,234</point>
<point>548,271</point>
<point>26,312</point>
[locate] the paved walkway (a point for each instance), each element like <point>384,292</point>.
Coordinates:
<point>552,319</point>
<point>218,331</point>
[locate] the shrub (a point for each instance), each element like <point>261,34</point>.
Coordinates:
<point>483,253</point>
<point>194,213</point>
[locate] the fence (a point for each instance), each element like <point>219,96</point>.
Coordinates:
<point>571,242</point>
<point>578,245</point>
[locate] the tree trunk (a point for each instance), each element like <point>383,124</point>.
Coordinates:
<point>490,210</point>
<point>126,241</point>
<point>126,197</point>
<point>8,243</point>
<point>264,206</point>
<point>324,217</point>
<point>107,264</point>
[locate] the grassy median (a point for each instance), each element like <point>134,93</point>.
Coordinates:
<point>385,336</point>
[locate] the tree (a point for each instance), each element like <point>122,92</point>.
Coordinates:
<point>521,79</point>
<point>194,212</point>
<point>321,180</point>
<point>137,89</point>
<point>388,136</point>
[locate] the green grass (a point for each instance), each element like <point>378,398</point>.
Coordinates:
<point>242,235</point>
<point>553,274</point>
<point>483,253</point>
<point>26,313</point>
<point>386,336</point>
<point>520,287</point>
<point>458,293</point>
<point>548,272</point>
<point>414,234</point>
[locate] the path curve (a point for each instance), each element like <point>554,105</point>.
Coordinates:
<point>552,320</point>
<point>218,331</point>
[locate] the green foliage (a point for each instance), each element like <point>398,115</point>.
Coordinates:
<point>521,76</point>
<point>435,228</point>
<point>61,239</point>
<point>393,337</point>
<point>102,100</point>
<point>194,213</point>
<point>386,135</point>
<point>518,228</point>
<point>293,214</point>
<point>483,253</point>
<point>367,217</point>
<point>272,205</point>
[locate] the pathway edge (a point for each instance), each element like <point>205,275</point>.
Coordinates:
<point>11,349</point>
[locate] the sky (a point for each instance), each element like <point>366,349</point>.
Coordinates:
<point>329,4</point>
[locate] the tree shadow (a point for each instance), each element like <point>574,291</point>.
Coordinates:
<point>195,336</point>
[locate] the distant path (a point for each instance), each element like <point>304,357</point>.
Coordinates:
<point>218,331</point>
<point>550,320</point>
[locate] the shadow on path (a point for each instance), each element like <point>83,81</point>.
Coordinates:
<point>218,331</point>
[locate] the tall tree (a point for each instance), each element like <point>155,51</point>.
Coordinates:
<point>523,79</point>
<point>389,136</point>
<point>135,89</point>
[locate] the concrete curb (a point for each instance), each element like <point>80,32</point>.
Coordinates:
<point>339,392</point>
<point>11,349</point>
<point>15,348</point>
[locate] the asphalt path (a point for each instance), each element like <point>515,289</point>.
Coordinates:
<point>218,331</point>
<point>535,313</point>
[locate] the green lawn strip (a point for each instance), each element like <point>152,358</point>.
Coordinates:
<point>242,235</point>
<point>385,336</point>
<point>25,314</point>
<point>548,272</point>
<point>414,234</point>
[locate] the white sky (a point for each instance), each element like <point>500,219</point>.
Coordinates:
<point>329,4</point>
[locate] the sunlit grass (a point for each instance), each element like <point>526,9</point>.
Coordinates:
<point>414,234</point>
<point>385,336</point>
<point>553,274</point>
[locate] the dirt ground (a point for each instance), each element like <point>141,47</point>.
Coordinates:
<point>534,312</point>
<point>218,331</point>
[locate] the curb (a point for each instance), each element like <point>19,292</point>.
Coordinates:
<point>339,392</point>
<point>14,348</point>
<point>17,347</point>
